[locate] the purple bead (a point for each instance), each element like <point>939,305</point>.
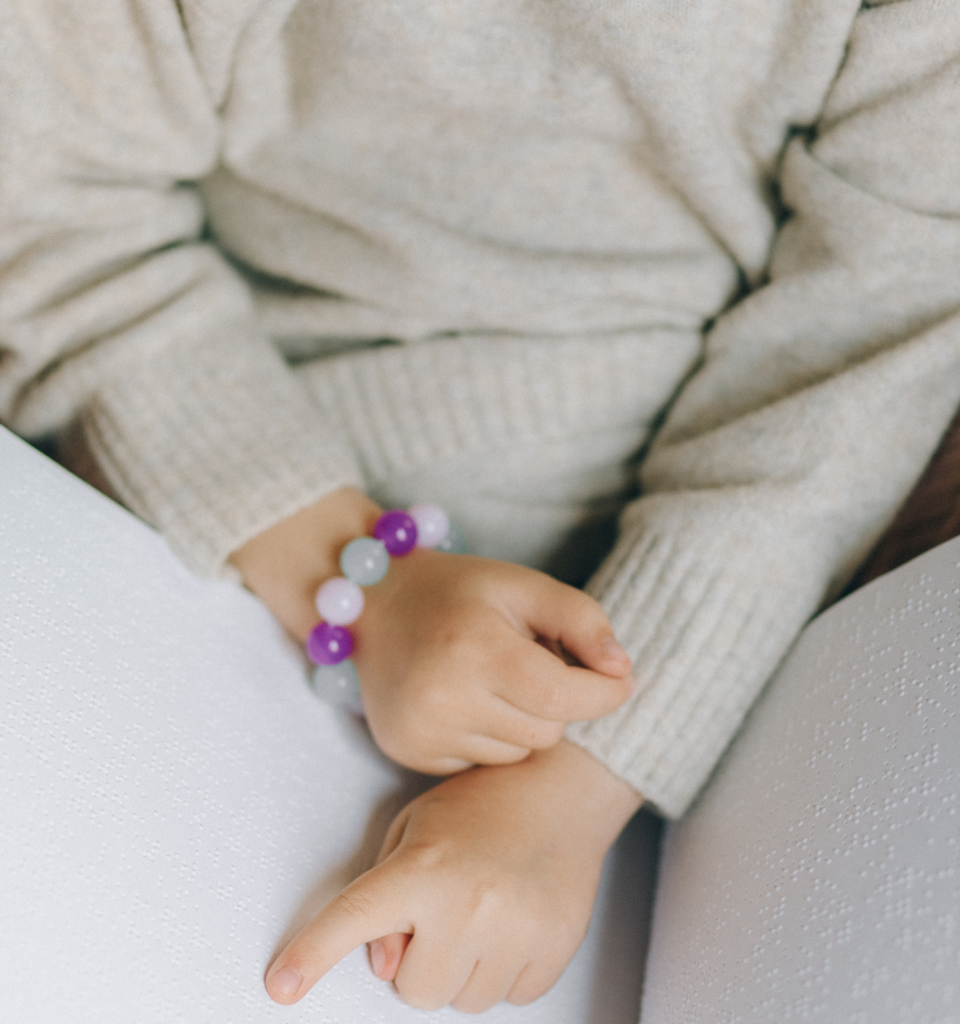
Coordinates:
<point>398,532</point>
<point>329,645</point>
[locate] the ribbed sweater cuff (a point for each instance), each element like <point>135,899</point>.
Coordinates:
<point>706,615</point>
<point>212,444</point>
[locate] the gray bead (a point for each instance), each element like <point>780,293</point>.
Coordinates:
<point>337,684</point>
<point>454,542</point>
<point>364,561</point>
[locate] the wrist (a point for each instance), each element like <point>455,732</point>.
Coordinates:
<point>572,787</point>
<point>285,564</point>
<point>606,801</point>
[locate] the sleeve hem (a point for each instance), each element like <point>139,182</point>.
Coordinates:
<point>214,445</point>
<point>705,620</point>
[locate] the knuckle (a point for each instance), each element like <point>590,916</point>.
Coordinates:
<point>552,700</point>
<point>583,606</point>
<point>487,903</point>
<point>406,739</point>
<point>460,637</point>
<point>354,903</point>
<point>432,702</point>
<point>415,995</point>
<point>417,860</point>
<point>568,933</point>
<point>471,1004</point>
<point>507,664</point>
<point>524,997</point>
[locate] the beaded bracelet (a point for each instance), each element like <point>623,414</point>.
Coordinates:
<point>339,601</point>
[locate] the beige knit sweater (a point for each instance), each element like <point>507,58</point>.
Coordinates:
<point>724,233</point>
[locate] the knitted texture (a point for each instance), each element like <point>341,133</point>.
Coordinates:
<point>722,235</point>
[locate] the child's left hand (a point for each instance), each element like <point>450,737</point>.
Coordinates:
<point>492,876</point>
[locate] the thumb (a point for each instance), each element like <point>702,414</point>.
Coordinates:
<point>372,906</point>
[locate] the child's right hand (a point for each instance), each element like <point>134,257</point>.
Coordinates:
<point>450,648</point>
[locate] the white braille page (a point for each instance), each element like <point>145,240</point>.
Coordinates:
<point>174,801</point>
<point>818,877</point>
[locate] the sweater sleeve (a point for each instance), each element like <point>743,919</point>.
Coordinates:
<point>113,309</point>
<point>819,399</point>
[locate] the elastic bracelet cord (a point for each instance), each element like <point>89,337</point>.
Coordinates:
<point>339,600</point>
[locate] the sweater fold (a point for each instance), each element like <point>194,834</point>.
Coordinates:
<point>515,251</point>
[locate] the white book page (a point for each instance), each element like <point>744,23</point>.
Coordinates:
<point>818,877</point>
<point>174,801</point>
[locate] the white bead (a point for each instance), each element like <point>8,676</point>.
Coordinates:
<point>432,524</point>
<point>339,601</point>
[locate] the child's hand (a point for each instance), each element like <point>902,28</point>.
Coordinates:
<point>451,670</point>
<point>447,646</point>
<point>492,874</point>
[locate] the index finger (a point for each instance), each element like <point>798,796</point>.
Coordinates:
<point>542,684</point>
<point>371,906</point>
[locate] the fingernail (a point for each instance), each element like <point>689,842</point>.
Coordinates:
<point>612,649</point>
<point>378,958</point>
<point>286,982</point>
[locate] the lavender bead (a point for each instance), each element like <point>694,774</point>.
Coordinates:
<point>329,645</point>
<point>365,561</point>
<point>337,684</point>
<point>397,531</point>
<point>339,601</point>
<point>432,524</point>
<point>454,542</point>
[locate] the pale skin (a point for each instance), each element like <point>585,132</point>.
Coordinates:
<point>483,889</point>
<point>447,646</point>
<point>484,886</point>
